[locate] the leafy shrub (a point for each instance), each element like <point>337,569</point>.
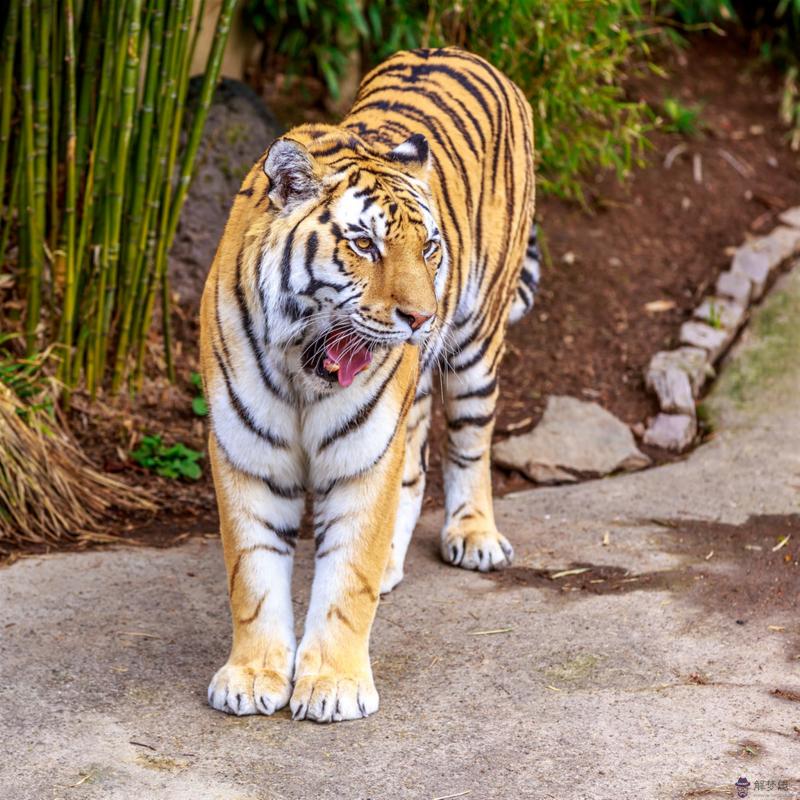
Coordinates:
<point>175,461</point>
<point>571,58</point>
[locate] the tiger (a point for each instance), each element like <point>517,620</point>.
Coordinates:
<point>360,261</point>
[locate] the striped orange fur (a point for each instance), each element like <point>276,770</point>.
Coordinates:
<point>357,260</point>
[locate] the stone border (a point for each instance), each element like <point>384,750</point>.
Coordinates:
<point>677,376</point>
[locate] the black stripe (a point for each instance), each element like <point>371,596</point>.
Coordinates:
<point>363,413</point>
<point>470,421</point>
<point>286,492</point>
<point>326,490</point>
<point>286,535</point>
<point>247,325</point>
<point>242,412</point>
<point>483,391</point>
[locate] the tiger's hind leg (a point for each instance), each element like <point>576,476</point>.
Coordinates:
<point>413,487</point>
<point>470,538</point>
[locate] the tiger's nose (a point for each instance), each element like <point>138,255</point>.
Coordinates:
<point>415,319</point>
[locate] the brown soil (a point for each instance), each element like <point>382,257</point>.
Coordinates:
<point>659,236</point>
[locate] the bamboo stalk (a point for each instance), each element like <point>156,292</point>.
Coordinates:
<point>55,82</point>
<point>32,248</point>
<point>91,37</point>
<point>164,167</point>
<point>185,60</point>
<point>44,19</point>
<point>71,194</point>
<point>171,214</point>
<point>139,213</point>
<point>92,233</point>
<point>13,200</point>
<point>7,101</point>
<point>115,204</point>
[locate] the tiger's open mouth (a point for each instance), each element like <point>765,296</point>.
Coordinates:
<point>339,355</point>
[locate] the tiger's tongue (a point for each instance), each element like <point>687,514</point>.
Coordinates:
<point>346,355</point>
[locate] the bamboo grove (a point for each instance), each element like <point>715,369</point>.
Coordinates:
<point>95,163</point>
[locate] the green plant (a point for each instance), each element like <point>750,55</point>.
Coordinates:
<point>714,316</point>
<point>199,404</point>
<point>174,461</point>
<point>93,170</point>
<point>680,118</point>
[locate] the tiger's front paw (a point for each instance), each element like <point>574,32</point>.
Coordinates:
<point>246,690</point>
<point>331,697</point>
<point>328,690</point>
<point>476,548</point>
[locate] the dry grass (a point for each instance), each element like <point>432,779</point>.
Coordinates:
<point>49,492</point>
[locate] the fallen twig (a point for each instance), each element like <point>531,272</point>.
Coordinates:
<point>489,633</point>
<point>742,167</point>
<point>564,573</point>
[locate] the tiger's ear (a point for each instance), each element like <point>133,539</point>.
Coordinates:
<point>413,155</point>
<point>292,174</point>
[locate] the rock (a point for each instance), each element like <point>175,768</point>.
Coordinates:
<point>574,437</point>
<point>712,340</point>
<point>777,246</point>
<point>754,266</point>
<point>239,128</point>
<point>673,389</point>
<point>719,311</point>
<point>691,360</point>
<point>671,431</point>
<point>755,259</point>
<point>734,285</point>
<point>791,217</point>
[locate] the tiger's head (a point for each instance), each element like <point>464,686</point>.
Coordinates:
<point>360,250</point>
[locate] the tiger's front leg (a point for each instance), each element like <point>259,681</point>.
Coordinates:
<point>259,525</point>
<point>470,538</point>
<point>354,515</point>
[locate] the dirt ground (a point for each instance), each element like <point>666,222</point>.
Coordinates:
<point>664,235</point>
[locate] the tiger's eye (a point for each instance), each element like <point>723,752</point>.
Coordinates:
<point>363,243</point>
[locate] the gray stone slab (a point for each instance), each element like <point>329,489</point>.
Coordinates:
<point>691,360</point>
<point>755,266</point>
<point>734,285</point>
<point>720,311</point>
<point>573,437</point>
<point>673,389</point>
<point>712,340</point>
<point>671,432</point>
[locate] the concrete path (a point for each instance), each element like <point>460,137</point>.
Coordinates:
<point>668,668</point>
